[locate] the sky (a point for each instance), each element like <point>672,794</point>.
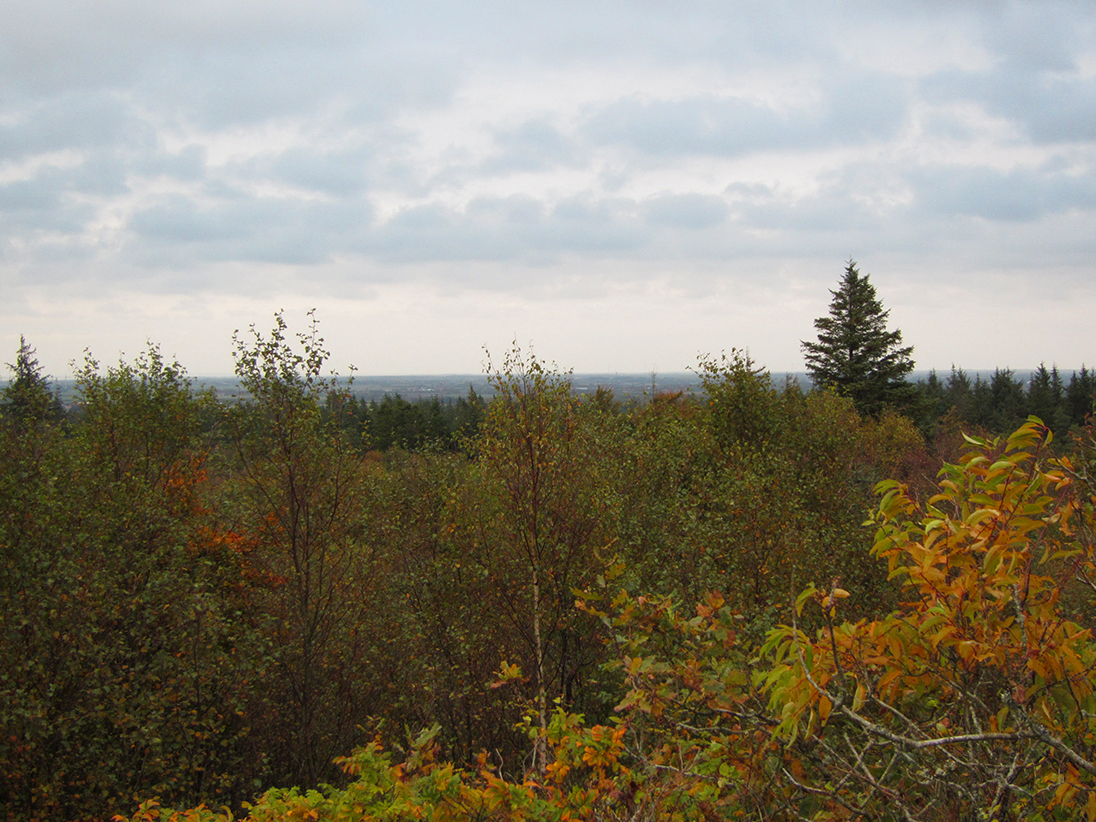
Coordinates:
<point>612,186</point>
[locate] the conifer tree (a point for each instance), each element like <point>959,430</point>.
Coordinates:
<point>27,396</point>
<point>855,353</point>
<point>1081,395</point>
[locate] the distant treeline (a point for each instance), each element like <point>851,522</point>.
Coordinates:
<point>995,405</point>
<point>990,402</point>
<point>1002,402</point>
<point>397,423</point>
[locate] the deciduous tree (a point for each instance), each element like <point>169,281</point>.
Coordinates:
<point>301,488</point>
<point>120,620</point>
<point>975,699</point>
<point>540,465</point>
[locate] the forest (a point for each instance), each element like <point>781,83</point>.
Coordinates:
<point>755,601</point>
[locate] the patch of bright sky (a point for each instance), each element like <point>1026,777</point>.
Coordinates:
<point>26,168</point>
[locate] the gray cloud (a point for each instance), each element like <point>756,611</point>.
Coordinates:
<point>1018,195</point>
<point>1038,36</point>
<point>71,120</point>
<point>65,45</point>
<point>343,173</point>
<point>1046,108</point>
<point>696,126</point>
<point>832,212</point>
<point>535,145</point>
<point>187,164</point>
<point>515,228</point>
<point>1036,81</point>
<point>694,212</point>
<point>177,232</point>
<point>51,201</point>
<point>865,108</point>
<point>30,207</point>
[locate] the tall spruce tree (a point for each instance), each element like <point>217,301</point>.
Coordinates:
<point>855,353</point>
<point>27,396</point>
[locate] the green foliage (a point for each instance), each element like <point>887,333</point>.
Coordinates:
<point>745,406</point>
<point>27,398</point>
<point>395,423</point>
<point>581,786</point>
<point>538,456</point>
<point>972,699</point>
<point>203,601</point>
<point>665,532</point>
<point>1081,396</point>
<point>693,725</point>
<point>119,615</point>
<point>855,353</point>
<point>788,485</point>
<point>299,497</point>
<point>440,635</point>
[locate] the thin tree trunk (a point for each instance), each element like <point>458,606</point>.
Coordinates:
<point>542,687</point>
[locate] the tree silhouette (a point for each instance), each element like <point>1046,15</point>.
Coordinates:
<point>27,396</point>
<point>855,353</point>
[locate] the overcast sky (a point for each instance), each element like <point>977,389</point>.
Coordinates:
<point>619,186</point>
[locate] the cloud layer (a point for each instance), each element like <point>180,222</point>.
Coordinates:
<point>162,166</point>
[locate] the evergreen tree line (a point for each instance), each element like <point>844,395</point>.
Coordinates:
<point>1002,402</point>
<point>397,423</point>
<point>996,405</point>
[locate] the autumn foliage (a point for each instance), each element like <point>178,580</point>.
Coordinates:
<point>672,610</point>
<point>972,699</point>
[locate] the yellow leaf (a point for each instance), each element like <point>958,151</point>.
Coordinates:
<point>858,697</point>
